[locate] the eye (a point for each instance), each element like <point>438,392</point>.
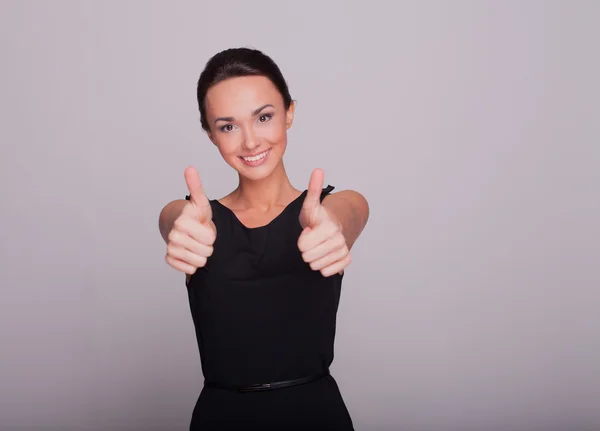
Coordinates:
<point>227,128</point>
<point>265,117</point>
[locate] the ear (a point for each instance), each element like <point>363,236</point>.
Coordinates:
<point>289,115</point>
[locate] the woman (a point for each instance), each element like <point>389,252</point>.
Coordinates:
<point>264,264</point>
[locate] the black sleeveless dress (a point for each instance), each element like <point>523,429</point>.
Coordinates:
<point>261,314</point>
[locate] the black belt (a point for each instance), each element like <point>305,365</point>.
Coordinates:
<point>267,386</point>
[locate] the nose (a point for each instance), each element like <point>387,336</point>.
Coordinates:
<point>250,140</point>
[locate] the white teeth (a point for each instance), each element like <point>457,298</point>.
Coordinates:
<point>255,158</point>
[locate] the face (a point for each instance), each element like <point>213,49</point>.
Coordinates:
<point>248,124</point>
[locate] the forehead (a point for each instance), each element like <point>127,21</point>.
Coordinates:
<point>241,94</point>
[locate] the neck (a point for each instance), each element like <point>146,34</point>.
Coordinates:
<point>274,190</point>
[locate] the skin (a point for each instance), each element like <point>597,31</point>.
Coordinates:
<point>247,116</point>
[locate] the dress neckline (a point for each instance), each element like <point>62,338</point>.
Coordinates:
<point>285,209</point>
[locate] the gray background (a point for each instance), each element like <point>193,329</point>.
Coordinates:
<point>472,128</point>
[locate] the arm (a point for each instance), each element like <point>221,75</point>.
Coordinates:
<point>168,215</point>
<point>351,210</point>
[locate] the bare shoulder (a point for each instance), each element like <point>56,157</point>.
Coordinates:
<point>353,196</point>
<point>226,200</point>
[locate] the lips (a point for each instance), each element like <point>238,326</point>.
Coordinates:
<point>256,159</point>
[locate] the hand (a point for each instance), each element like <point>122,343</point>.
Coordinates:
<point>190,241</point>
<point>322,244</point>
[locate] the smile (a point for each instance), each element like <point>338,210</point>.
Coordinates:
<point>256,159</point>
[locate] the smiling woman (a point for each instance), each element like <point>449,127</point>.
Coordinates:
<point>248,120</point>
<point>264,264</point>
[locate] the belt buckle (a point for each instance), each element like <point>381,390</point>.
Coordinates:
<point>256,387</point>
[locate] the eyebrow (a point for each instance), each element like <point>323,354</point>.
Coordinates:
<point>255,112</point>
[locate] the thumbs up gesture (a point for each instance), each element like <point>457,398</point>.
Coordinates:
<point>322,244</point>
<point>190,241</point>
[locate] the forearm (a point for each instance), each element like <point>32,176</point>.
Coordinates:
<point>351,210</point>
<point>168,215</point>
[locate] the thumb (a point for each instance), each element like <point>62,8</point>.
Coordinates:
<point>197,196</point>
<point>315,188</point>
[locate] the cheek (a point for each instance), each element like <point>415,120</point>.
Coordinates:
<point>227,143</point>
<point>275,133</point>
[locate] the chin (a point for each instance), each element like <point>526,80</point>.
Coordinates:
<point>256,173</point>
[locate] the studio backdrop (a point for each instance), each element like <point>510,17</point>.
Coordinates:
<point>471,127</point>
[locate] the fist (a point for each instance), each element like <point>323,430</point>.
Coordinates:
<point>190,241</point>
<point>322,243</point>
